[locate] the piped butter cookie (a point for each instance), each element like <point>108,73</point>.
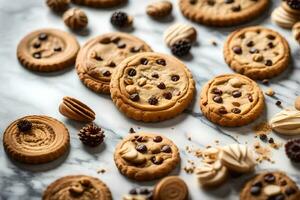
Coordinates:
<point>152,87</point>
<point>222,12</point>
<point>231,100</point>
<point>36,139</point>
<point>99,57</point>
<point>257,52</point>
<point>47,50</point>
<point>77,187</point>
<point>99,3</point>
<point>145,156</point>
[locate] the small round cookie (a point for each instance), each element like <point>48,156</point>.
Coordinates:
<point>222,12</point>
<point>257,52</point>
<point>98,58</point>
<point>99,3</point>
<point>152,87</point>
<point>270,186</point>
<point>36,139</point>
<point>47,50</point>
<point>77,187</point>
<point>231,100</point>
<point>145,156</point>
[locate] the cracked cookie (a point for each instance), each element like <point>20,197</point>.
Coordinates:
<point>152,87</point>
<point>99,57</point>
<point>270,186</point>
<point>145,156</point>
<point>77,187</point>
<point>36,139</point>
<point>222,12</point>
<point>231,100</point>
<point>257,52</point>
<point>47,50</point>
<point>99,3</point>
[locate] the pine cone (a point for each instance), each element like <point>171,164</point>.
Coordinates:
<point>91,135</point>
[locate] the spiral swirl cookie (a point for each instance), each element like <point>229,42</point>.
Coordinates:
<point>231,100</point>
<point>99,3</point>
<point>79,187</point>
<point>270,186</point>
<point>145,156</point>
<point>47,50</point>
<point>36,139</point>
<point>222,12</point>
<point>99,57</point>
<point>257,52</point>
<point>152,87</point>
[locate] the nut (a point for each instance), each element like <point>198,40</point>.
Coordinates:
<point>258,57</point>
<point>271,190</point>
<point>159,9</point>
<point>142,81</point>
<point>131,89</point>
<point>270,92</point>
<point>235,82</point>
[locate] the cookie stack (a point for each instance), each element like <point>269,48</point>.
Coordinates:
<point>287,14</point>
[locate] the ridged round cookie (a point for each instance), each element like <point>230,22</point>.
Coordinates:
<point>231,100</point>
<point>77,187</point>
<point>99,57</point>
<point>270,185</point>
<point>47,50</point>
<point>257,52</point>
<point>222,12</point>
<point>99,3</point>
<point>152,87</point>
<point>145,156</point>
<point>46,140</point>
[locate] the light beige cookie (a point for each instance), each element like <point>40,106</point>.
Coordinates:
<point>145,156</point>
<point>178,32</point>
<point>152,87</point>
<point>99,3</point>
<point>257,52</point>
<point>98,58</point>
<point>159,9</point>
<point>286,122</point>
<point>283,18</point>
<point>36,139</point>
<point>222,12</point>
<point>47,50</point>
<point>231,100</point>
<point>77,187</point>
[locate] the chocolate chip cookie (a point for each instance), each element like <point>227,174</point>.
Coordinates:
<point>231,100</point>
<point>257,52</point>
<point>145,156</point>
<point>77,187</point>
<point>222,12</point>
<point>99,3</point>
<point>47,50</point>
<point>36,139</point>
<point>270,186</point>
<point>152,87</point>
<point>99,57</point>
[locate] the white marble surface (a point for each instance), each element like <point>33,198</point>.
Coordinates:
<point>24,92</point>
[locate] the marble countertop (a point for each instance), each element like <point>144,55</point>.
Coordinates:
<point>24,92</point>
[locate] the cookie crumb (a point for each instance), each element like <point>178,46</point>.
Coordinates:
<point>101,171</point>
<point>278,103</point>
<point>213,42</point>
<point>270,92</point>
<point>131,130</point>
<point>263,153</point>
<point>189,138</point>
<point>262,128</point>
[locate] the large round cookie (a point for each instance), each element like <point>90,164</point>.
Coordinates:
<point>257,52</point>
<point>99,3</point>
<point>152,87</point>
<point>78,187</point>
<point>45,140</point>
<point>99,57</point>
<point>231,100</point>
<point>270,186</point>
<point>222,12</point>
<point>145,156</point>
<point>47,50</point>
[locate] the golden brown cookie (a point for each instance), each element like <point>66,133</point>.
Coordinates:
<point>145,156</point>
<point>231,100</point>
<point>99,3</point>
<point>257,52</point>
<point>77,187</point>
<point>152,87</point>
<point>270,186</point>
<point>222,12</point>
<point>75,19</point>
<point>159,9</point>
<point>36,139</point>
<point>296,32</point>
<point>47,50</point>
<point>99,57</point>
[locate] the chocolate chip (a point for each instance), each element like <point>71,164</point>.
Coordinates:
<point>277,197</point>
<point>121,45</point>
<point>115,39</point>
<point>254,50</point>
<point>131,130</point>
<point>111,64</point>
<point>161,62</point>
<point>155,75</point>
<point>237,49</point>
<point>161,86</point>
<point>236,8</point>
<point>43,36</point>
<point>167,95</point>
<point>37,55</point>
<point>152,100</point>
<point>265,81</point>
<point>175,78</point>
<point>289,191</point>
<point>106,73</point>
<point>278,103</point>
<point>98,58</point>
<point>211,2</point>
<point>250,98</point>
<point>37,45</point>
<point>250,44</point>
<point>105,40</point>
<point>144,61</point>
<point>135,49</point>
<point>193,2</point>
<point>268,63</point>
<point>228,1</point>
<point>269,178</point>
<point>131,72</point>
<point>236,94</point>
<point>157,139</point>
<point>133,191</point>
<point>283,182</point>
<point>271,37</point>
<point>236,110</point>
<point>271,140</point>
<point>255,190</point>
<point>218,99</point>
<point>271,45</point>
<point>263,137</point>
<point>257,183</point>
<point>144,191</point>
<point>217,91</point>
<point>166,149</point>
<point>141,139</point>
<point>141,148</point>
<point>222,110</point>
<point>57,49</point>
<point>157,160</point>
<point>135,97</point>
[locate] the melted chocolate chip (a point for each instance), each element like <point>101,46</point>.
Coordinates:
<point>111,64</point>
<point>133,191</point>
<point>98,58</point>
<point>43,36</point>
<point>157,160</point>
<point>155,75</point>
<point>236,110</point>
<point>271,37</point>
<point>157,139</point>
<point>236,94</point>
<point>271,45</point>
<point>121,45</point>
<point>57,49</point>
<point>106,73</point>
<point>255,190</point>
<point>268,63</point>
<point>211,2</point>
<point>254,50</point>
<point>131,72</point>
<point>36,45</point>
<point>161,86</point>
<point>269,178</point>
<point>141,148</point>
<point>135,97</point>
<point>250,44</point>
<point>250,98</point>
<point>217,91</point>
<point>166,149</point>
<point>222,110</point>
<point>105,41</point>
<point>289,191</point>
<point>193,2</point>
<point>236,8</point>
<point>228,1</point>
<point>218,99</point>
<point>144,61</point>
<point>115,39</point>
<point>175,78</point>
<point>152,100</point>
<point>37,55</point>
<point>135,49</point>
<point>161,62</point>
<point>167,95</point>
<point>237,49</point>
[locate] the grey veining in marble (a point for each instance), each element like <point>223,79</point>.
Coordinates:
<point>23,92</point>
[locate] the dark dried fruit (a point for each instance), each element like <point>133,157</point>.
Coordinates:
<point>91,135</point>
<point>141,148</point>
<point>57,49</point>
<point>294,4</point>
<point>292,150</point>
<point>237,49</point>
<point>166,149</point>
<point>181,48</point>
<point>24,125</point>
<point>167,95</point>
<point>119,19</point>
<point>152,101</point>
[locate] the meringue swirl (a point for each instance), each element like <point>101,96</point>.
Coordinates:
<point>286,122</point>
